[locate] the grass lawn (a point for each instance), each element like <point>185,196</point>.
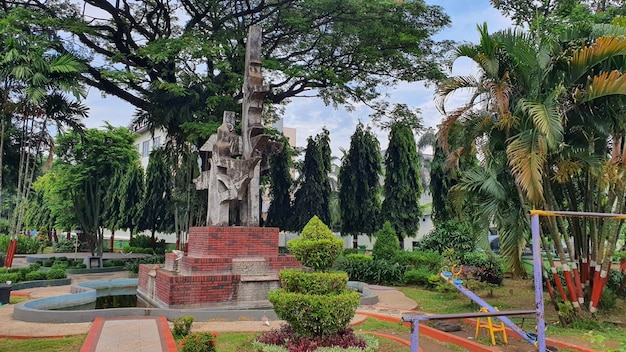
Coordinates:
<point>65,344</point>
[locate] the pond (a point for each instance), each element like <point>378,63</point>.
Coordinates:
<point>107,302</point>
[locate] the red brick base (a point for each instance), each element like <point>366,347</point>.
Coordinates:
<point>219,259</point>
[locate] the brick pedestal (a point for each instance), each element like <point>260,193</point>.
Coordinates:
<point>224,266</point>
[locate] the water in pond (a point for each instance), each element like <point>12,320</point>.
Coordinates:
<point>106,302</point>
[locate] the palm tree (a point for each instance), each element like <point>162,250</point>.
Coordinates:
<point>538,99</point>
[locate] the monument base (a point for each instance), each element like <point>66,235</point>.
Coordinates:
<point>224,267</point>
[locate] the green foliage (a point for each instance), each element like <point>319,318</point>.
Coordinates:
<point>418,259</point>
<point>403,186</point>
<point>421,276</point>
<point>379,272</point>
<point>315,314</point>
<point>25,245</point>
<point>387,243</point>
<point>279,212</point>
<point>316,283</point>
<point>452,234</point>
<point>316,247</point>
<point>84,173</point>
<point>313,196</point>
<point>359,184</point>
<point>57,273</point>
<point>35,275</point>
<point>64,246</point>
<point>155,215</point>
<point>199,342</point>
<point>13,277</point>
<point>182,326</point>
<point>133,265</point>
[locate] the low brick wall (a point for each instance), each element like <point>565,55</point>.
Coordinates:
<point>233,241</point>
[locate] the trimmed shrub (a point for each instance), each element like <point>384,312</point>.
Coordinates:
<point>415,260</point>
<point>36,275</point>
<point>14,277</point>
<point>319,315</point>
<point>54,274</point>
<point>387,243</point>
<point>380,272</point>
<point>316,247</point>
<point>299,281</point>
<point>199,342</point>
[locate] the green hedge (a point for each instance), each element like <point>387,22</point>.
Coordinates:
<point>319,283</point>
<point>315,314</point>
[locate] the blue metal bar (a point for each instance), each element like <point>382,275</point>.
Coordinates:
<point>458,285</point>
<point>415,332</point>
<point>538,277</point>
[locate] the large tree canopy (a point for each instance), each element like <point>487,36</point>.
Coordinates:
<point>181,62</point>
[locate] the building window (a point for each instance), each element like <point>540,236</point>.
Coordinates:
<point>146,149</point>
<point>156,142</point>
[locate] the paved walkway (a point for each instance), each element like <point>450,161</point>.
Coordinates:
<point>150,334</point>
<point>153,333</point>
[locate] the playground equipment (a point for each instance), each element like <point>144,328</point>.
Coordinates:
<point>491,327</point>
<point>538,339</point>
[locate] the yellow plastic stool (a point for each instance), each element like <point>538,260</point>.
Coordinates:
<point>491,327</point>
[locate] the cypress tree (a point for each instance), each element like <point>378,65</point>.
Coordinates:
<point>359,192</point>
<point>403,187</point>
<point>279,213</point>
<point>158,194</point>
<point>313,196</point>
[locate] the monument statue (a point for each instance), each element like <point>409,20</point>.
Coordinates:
<point>235,161</point>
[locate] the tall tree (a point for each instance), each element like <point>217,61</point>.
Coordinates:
<point>87,165</point>
<point>359,184</point>
<point>313,195</point>
<point>158,195</point>
<point>403,187</point>
<point>280,212</point>
<point>548,143</point>
<point>181,62</point>
<point>36,84</point>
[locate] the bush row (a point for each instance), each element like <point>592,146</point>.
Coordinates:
<point>25,244</point>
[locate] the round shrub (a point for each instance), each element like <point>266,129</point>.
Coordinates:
<point>316,247</point>
<point>199,342</point>
<point>387,243</point>
<point>319,283</point>
<point>320,315</point>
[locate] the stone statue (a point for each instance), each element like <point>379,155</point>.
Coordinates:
<point>235,161</point>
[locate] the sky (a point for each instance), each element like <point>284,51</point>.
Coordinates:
<point>309,115</point>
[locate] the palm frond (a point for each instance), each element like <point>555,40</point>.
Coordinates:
<point>546,118</point>
<point>526,158</point>
<point>604,84</point>
<point>589,56</point>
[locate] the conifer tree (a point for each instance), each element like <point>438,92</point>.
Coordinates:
<point>279,213</point>
<point>403,187</point>
<point>158,193</point>
<point>313,196</point>
<point>359,184</point>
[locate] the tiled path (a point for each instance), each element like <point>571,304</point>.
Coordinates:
<point>132,334</point>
